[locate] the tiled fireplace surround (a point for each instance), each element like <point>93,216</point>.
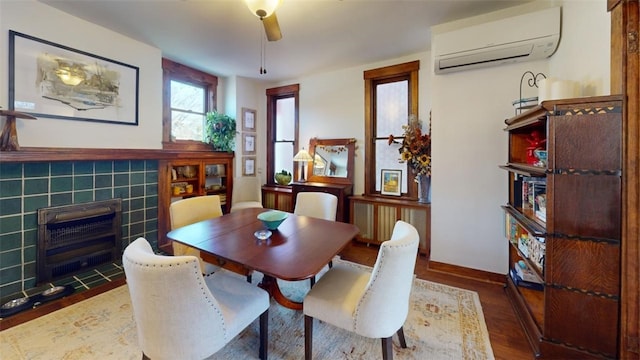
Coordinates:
<point>27,186</point>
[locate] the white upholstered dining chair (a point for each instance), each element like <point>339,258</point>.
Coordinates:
<point>191,210</point>
<point>247,193</point>
<point>373,304</point>
<point>181,314</point>
<point>317,205</point>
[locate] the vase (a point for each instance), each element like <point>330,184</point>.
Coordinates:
<point>424,188</point>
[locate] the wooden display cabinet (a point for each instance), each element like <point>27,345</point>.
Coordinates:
<point>568,233</point>
<point>211,174</point>
<point>376,216</point>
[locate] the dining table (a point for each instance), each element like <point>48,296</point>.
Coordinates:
<point>297,250</point>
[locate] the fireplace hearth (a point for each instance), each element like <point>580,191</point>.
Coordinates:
<point>77,238</point>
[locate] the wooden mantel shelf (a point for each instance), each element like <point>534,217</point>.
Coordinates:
<point>40,154</point>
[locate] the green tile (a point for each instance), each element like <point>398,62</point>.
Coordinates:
<point>151,189</point>
<point>151,165</point>
<point>82,182</point>
<point>36,186</point>
<point>150,201</point>
<point>30,237</point>
<point>121,192</point>
<point>61,199</point>
<point>84,196</point>
<point>10,171</point>
<point>136,216</point>
<point>137,178</point>
<point>10,188</point>
<point>36,169</point>
<point>61,168</point>
<point>11,274</point>
<point>137,165</point>
<point>103,167</point>
<point>137,191</point>
<point>136,230</point>
<point>10,289</point>
<point>60,184</point>
<point>125,205</point>
<point>121,179</point>
<point>10,241</point>
<point>103,181</point>
<point>33,203</point>
<point>151,177</point>
<point>103,194</point>
<point>82,167</point>
<point>137,204</point>
<point>10,206</point>
<point>29,269</point>
<point>30,221</point>
<point>121,166</point>
<point>30,253</point>
<point>11,224</point>
<point>11,258</point>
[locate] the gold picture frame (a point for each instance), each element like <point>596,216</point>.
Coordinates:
<point>248,120</point>
<point>391,182</point>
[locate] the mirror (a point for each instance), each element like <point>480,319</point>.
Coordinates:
<point>332,160</point>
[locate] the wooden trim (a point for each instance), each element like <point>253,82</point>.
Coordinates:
<point>35,154</point>
<point>465,272</point>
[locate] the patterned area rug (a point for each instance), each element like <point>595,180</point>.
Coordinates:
<point>444,323</point>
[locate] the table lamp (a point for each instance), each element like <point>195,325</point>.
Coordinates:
<point>303,157</point>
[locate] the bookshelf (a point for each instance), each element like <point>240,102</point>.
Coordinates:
<point>563,225</point>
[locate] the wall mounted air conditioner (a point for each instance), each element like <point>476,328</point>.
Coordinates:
<point>526,37</point>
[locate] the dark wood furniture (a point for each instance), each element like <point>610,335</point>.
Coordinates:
<point>277,197</point>
<point>211,175</point>
<point>625,79</point>
<point>298,250</point>
<point>576,252</point>
<point>376,216</point>
<point>331,172</point>
<point>341,191</point>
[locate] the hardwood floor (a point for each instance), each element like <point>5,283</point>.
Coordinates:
<point>507,337</point>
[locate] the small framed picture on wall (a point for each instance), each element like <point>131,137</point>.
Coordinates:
<point>248,165</point>
<point>248,144</point>
<point>248,120</point>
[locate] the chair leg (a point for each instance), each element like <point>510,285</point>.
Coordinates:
<point>387,348</point>
<point>264,334</point>
<point>330,264</point>
<point>312,281</point>
<point>308,337</point>
<point>249,278</point>
<point>403,342</point>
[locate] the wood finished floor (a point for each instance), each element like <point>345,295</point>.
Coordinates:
<point>507,337</point>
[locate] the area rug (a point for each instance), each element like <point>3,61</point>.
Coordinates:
<point>444,322</point>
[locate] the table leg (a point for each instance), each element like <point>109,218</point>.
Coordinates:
<point>270,284</point>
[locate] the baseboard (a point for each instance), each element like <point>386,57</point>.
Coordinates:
<point>469,273</point>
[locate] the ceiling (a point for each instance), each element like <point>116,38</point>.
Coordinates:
<point>223,37</point>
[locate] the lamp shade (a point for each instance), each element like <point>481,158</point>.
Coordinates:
<point>263,8</point>
<point>303,155</point>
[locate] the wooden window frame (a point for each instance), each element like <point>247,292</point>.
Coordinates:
<point>178,72</point>
<point>406,71</point>
<point>273,94</point>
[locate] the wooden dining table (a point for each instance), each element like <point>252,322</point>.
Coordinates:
<point>297,250</point>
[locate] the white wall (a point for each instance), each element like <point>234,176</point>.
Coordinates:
<point>41,21</point>
<point>468,141</point>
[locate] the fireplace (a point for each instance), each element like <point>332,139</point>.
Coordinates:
<point>77,238</point>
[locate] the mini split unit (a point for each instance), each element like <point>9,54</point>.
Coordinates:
<point>526,37</point>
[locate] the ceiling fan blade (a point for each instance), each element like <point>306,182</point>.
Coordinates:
<point>271,28</point>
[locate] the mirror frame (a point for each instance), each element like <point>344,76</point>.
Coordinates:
<point>350,144</point>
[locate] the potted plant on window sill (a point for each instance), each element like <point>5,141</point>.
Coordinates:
<point>220,131</point>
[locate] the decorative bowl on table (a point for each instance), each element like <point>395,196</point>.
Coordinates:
<point>283,177</point>
<point>272,219</point>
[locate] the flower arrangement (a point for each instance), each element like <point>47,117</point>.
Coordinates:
<point>415,148</point>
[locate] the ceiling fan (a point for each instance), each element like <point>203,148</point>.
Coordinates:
<point>265,10</point>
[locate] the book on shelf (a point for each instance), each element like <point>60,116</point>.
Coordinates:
<point>524,284</point>
<point>525,273</point>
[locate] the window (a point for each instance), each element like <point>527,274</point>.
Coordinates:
<point>282,130</point>
<point>188,95</point>
<point>391,96</point>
